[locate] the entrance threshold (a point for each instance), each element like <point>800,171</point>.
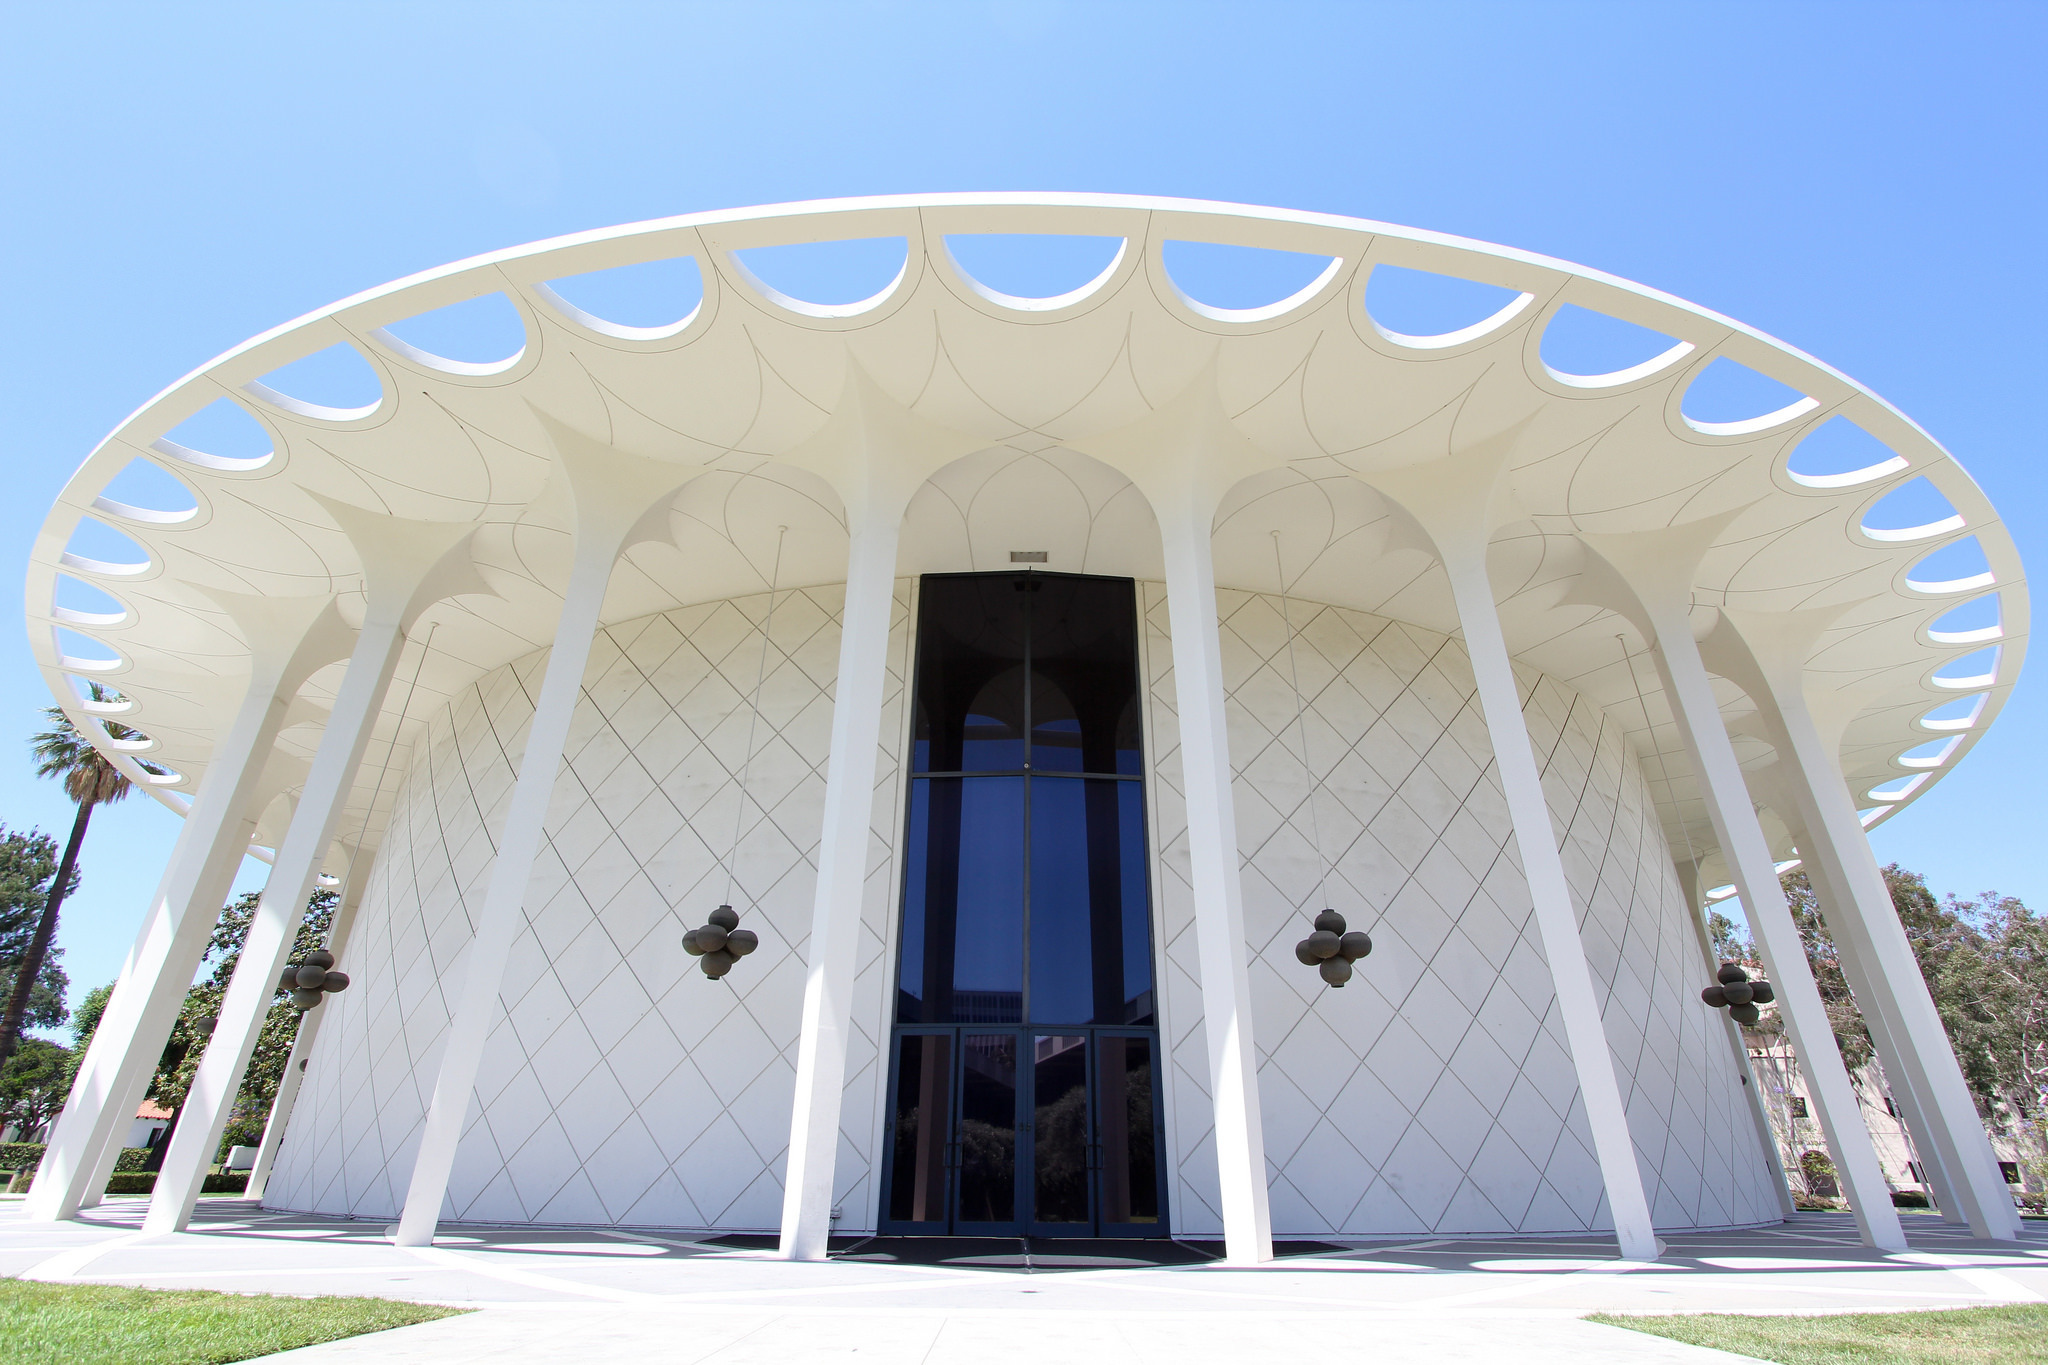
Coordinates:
<point>1028,1254</point>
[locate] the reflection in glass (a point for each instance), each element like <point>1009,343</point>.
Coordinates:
<point>969,713</point>
<point>963,902</point>
<point>1125,1127</point>
<point>1091,958</point>
<point>1084,676</point>
<point>924,1104</point>
<point>1059,1130</point>
<point>988,1127</point>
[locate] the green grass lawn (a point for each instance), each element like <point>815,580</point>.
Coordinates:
<point>1956,1336</point>
<point>104,1324</point>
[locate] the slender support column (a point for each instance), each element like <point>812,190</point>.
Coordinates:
<point>402,563</point>
<point>1184,529</point>
<point>613,494</point>
<point>1455,503</point>
<point>1688,877</point>
<point>302,1047</point>
<point>287,639</point>
<point>842,877</point>
<point>1578,1001</point>
<point>1884,974</point>
<point>1658,570</point>
<point>1936,1155</point>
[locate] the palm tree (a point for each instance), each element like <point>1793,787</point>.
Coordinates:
<point>89,780</point>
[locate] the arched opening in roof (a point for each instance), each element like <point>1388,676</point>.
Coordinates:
<point>1421,307</point>
<point>83,652</point>
<point>1583,347</point>
<point>484,333</point>
<point>145,491</point>
<point>96,547</point>
<point>1840,454</point>
<point>645,299</point>
<point>1898,789</point>
<point>1022,269</point>
<point>1224,280</point>
<point>1728,398</point>
<point>1914,510</point>
<point>1959,566</point>
<point>222,436</point>
<point>1959,714</point>
<point>1979,668</point>
<point>336,383</point>
<point>1932,754</point>
<point>839,275</point>
<point>1975,620</point>
<point>86,604</point>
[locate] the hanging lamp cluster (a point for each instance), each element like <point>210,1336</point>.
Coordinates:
<point>720,943</point>
<point>1737,994</point>
<point>1330,950</point>
<point>313,980</point>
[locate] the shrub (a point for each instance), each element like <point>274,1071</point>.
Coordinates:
<point>131,1182</point>
<point>1910,1199</point>
<point>20,1156</point>
<point>132,1159</point>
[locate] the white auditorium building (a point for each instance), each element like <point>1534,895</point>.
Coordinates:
<point>1028,673</point>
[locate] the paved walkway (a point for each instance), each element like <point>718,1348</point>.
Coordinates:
<point>561,1295</point>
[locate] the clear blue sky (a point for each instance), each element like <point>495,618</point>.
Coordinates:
<point>1863,180</point>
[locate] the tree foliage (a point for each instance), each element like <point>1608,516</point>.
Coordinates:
<point>1985,962</point>
<point>28,860</point>
<point>180,1059</point>
<point>33,1084</point>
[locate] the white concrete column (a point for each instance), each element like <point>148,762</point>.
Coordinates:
<point>1931,1146</point>
<point>1185,525</point>
<point>1767,1141</point>
<point>613,495</point>
<point>407,565</point>
<point>288,638</point>
<point>830,963</point>
<point>302,1044</point>
<point>1453,503</point>
<point>1657,568</point>
<point>1883,971</point>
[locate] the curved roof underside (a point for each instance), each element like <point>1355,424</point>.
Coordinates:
<point>1312,381</point>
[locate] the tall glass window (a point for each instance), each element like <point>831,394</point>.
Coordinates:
<point>1025,891</point>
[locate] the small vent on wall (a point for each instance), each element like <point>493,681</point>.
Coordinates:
<point>1027,556</point>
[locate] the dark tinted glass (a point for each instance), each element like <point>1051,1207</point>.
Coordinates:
<point>963,902</point>
<point>1059,1130</point>
<point>988,1127</point>
<point>1084,676</point>
<point>1091,947</point>
<point>1130,1150</point>
<point>970,675</point>
<point>924,1106</point>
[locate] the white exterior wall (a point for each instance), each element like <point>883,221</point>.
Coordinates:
<point>1434,1094</point>
<point>622,1086</point>
<point>1431,1095</point>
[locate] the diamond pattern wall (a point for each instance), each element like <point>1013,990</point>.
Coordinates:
<point>1434,1094</point>
<point>620,1086</point>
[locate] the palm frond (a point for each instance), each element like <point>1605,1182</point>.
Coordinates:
<point>63,752</point>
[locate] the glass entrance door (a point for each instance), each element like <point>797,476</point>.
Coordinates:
<point>1014,1132</point>
<point>1022,1072</point>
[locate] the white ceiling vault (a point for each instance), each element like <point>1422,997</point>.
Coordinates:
<point>1312,382</point>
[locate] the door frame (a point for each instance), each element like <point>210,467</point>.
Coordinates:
<point>1022,1225</point>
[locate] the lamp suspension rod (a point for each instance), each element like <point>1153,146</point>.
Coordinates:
<point>1315,833</point>
<point>739,814</point>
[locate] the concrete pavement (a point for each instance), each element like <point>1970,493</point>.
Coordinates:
<point>560,1295</point>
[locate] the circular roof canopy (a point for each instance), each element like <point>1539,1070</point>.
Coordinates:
<point>1325,373</point>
